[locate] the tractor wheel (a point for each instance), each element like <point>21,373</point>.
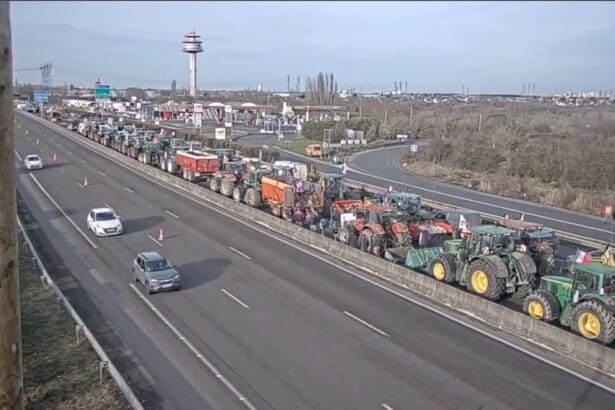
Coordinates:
<point>275,210</point>
<point>364,241</point>
<point>527,273</point>
<point>190,176</point>
<point>592,321</point>
<point>237,194</point>
<point>343,235</point>
<point>185,174</point>
<point>403,239</point>
<point>226,187</point>
<point>287,213</point>
<point>253,198</point>
<point>545,262</point>
<point>377,245</point>
<point>214,184</point>
<point>442,268</point>
<point>423,240</point>
<point>541,305</point>
<point>483,280</point>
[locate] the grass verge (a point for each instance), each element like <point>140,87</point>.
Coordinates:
<point>59,373</point>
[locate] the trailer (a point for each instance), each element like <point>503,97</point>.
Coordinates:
<point>196,166</point>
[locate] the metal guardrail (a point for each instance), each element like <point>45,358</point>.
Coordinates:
<point>105,363</point>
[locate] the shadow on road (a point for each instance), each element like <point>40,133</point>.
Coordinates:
<point>142,224</point>
<point>198,273</point>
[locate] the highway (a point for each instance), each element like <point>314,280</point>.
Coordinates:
<point>257,318</point>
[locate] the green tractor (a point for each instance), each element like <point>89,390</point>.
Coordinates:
<point>583,298</point>
<point>488,263</point>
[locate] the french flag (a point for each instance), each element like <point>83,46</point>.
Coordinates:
<point>584,258</point>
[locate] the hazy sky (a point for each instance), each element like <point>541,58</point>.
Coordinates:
<point>435,46</point>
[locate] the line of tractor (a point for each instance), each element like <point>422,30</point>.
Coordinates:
<point>511,258</point>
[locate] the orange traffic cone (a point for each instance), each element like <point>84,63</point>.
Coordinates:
<point>160,236</point>
<point>85,181</point>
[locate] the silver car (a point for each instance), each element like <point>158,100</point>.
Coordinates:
<point>155,272</point>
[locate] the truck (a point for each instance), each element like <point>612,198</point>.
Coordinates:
<point>196,165</point>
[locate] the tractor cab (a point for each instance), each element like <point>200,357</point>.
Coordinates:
<point>405,201</point>
<point>531,234</point>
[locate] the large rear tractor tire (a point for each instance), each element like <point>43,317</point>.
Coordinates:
<point>253,198</point>
<point>541,305</point>
<point>483,280</point>
<point>592,321</point>
<point>226,187</point>
<point>214,184</point>
<point>343,235</point>
<point>442,268</point>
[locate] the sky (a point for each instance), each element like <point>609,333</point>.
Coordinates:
<point>490,47</point>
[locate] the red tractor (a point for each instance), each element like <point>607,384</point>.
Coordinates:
<point>375,229</point>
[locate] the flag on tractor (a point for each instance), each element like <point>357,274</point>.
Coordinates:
<point>583,258</point>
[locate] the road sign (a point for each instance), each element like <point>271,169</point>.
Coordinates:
<point>228,109</point>
<point>102,92</point>
<point>198,108</point>
<point>220,133</point>
<point>198,119</point>
<point>41,96</point>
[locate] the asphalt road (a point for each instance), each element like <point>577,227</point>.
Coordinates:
<point>285,329</point>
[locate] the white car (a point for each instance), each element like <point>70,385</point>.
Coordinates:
<point>104,222</point>
<point>33,162</point>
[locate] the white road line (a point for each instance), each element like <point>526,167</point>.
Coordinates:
<point>387,407</point>
<point>107,205</point>
<point>240,253</point>
<point>102,173</point>
<point>155,240</point>
<point>196,352</point>
<point>235,298</point>
<point>171,213</point>
<point>83,161</point>
<point>68,218</point>
<point>18,156</point>
<point>80,185</point>
<point>364,323</point>
<point>283,239</point>
<point>129,190</point>
<point>462,198</point>
<point>69,153</point>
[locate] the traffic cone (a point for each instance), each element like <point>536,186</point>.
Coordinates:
<point>160,236</point>
<point>85,181</point>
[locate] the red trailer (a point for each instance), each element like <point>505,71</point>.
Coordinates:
<point>196,165</point>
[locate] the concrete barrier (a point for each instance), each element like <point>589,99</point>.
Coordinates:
<point>560,341</point>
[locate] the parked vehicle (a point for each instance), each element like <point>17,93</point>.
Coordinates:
<point>488,263</point>
<point>196,166</point>
<point>582,297</point>
<point>155,272</point>
<point>104,222</point>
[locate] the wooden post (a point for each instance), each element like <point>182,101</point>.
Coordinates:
<point>11,373</point>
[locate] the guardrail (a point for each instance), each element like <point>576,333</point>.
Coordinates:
<point>105,362</point>
<point>562,342</point>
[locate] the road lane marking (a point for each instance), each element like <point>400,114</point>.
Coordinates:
<point>414,300</point>
<point>155,240</point>
<point>240,253</point>
<point>364,323</point>
<point>68,218</point>
<point>171,213</point>
<point>83,161</point>
<point>129,190</point>
<point>235,298</point>
<point>102,173</point>
<point>387,407</point>
<point>80,185</point>
<point>69,153</point>
<point>107,205</point>
<point>195,351</point>
<point>462,198</point>
<point>18,156</point>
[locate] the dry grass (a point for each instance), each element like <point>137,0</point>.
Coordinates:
<point>579,200</point>
<point>59,373</point>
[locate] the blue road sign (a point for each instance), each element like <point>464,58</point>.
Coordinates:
<point>41,96</point>
<point>102,92</point>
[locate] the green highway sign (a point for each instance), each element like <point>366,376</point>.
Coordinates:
<point>102,92</point>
